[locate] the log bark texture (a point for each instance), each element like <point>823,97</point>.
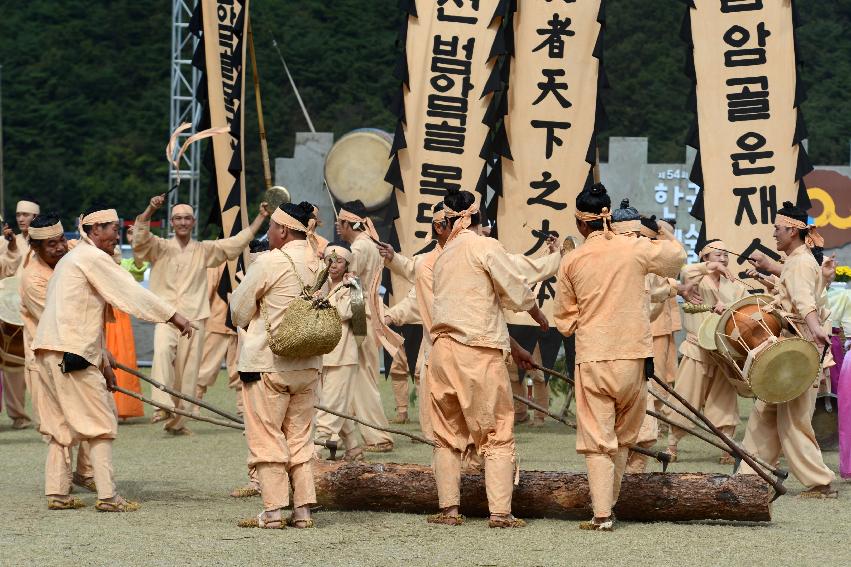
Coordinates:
<point>652,497</point>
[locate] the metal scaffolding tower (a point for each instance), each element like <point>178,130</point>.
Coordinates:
<point>184,107</point>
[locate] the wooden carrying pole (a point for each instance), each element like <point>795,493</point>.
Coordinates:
<point>261,125</point>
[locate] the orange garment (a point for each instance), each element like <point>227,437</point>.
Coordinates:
<point>119,341</point>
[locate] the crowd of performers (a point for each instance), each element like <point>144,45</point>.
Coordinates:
<point>616,293</point>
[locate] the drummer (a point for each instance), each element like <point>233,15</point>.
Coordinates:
<point>787,427</point>
<point>700,380</point>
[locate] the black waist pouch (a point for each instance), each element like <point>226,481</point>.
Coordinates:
<point>72,362</point>
<point>248,377</point>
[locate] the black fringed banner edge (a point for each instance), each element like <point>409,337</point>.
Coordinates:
<point>804,165</point>
<point>600,116</point>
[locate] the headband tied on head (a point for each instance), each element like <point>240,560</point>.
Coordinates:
<point>385,336</point>
<point>283,218</point>
<point>715,246</point>
<point>603,215</point>
<point>46,232</point>
<point>464,217</point>
<point>626,227</point>
<point>438,216</point>
<point>182,209</point>
<point>28,207</point>
<point>99,217</point>
<point>333,250</point>
<point>812,239</point>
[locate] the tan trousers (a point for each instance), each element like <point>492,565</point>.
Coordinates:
<point>540,389</point>
<point>665,357</point>
<point>399,372</point>
<point>336,394</point>
<point>218,347</point>
<point>423,393</point>
<point>706,388</point>
<point>366,399</point>
<point>611,398</point>
<point>469,398</point>
<point>14,392</point>
<point>278,421</point>
<point>177,360</point>
<point>787,428</point>
<point>75,407</point>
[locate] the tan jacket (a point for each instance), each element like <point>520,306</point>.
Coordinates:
<point>179,275</point>
<point>474,279</point>
<point>217,322</point>
<point>366,261</point>
<point>33,287</point>
<point>85,282</point>
<point>601,294</point>
<point>661,291</point>
<point>271,278</point>
<point>799,290</point>
<point>11,260</point>
<point>346,351</point>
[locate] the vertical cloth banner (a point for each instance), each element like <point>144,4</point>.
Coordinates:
<point>749,124</point>
<point>449,73</point>
<point>221,27</point>
<point>554,113</point>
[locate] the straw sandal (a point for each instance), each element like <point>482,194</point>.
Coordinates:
<point>672,451</point>
<point>446,519</point>
<point>259,522</point>
<point>160,415</point>
<point>385,447</point>
<point>820,493</point>
<point>183,431</point>
<point>121,505</point>
<point>86,482</point>
<point>301,523</point>
<point>508,521</point>
<point>353,455</point>
<point>245,491</point>
<point>72,503</point>
<point>401,418</point>
<point>606,525</point>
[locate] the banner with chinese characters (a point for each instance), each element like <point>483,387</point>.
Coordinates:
<point>221,25</point>
<point>748,123</point>
<point>448,69</point>
<point>553,111</point>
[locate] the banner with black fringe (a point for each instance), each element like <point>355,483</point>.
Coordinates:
<point>449,72</point>
<point>221,25</point>
<point>749,125</point>
<point>554,114</point>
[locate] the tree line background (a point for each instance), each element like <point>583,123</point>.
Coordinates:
<point>86,87</point>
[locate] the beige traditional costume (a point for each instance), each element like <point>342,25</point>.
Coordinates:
<point>339,372</point>
<point>278,393</point>
<point>220,343</point>
<point>700,379</point>
<point>601,298</point>
<point>33,288</point>
<point>75,405</point>
<point>179,276</point>
<point>366,264</point>
<point>469,395</point>
<point>787,427</point>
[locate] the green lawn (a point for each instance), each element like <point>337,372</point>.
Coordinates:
<point>188,519</point>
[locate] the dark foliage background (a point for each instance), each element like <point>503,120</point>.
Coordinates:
<point>86,86</point>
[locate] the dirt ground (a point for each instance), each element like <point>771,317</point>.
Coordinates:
<point>188,519</point>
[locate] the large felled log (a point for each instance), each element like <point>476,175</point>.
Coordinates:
<point>654,497</point>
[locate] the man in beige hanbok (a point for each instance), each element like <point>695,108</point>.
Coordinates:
<point>179,276</point>
<point>279,393</point>
<point>47,247</point>
<point>601,298</point>
<point>74,402</point>
<point>469,392</point>
<point>798,294</point>
<point>357,229</point>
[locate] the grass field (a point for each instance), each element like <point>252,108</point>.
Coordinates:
<point>188,519</point>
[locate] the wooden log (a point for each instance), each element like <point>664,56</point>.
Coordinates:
<point>652,497</point>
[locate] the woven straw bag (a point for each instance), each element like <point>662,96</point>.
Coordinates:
<point>310,326</point>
